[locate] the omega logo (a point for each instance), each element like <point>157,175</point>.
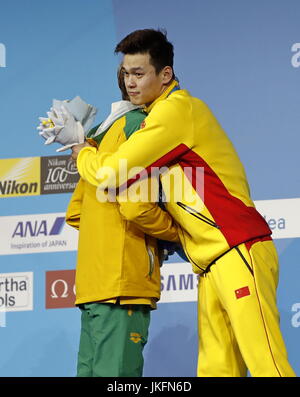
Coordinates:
<point>60,289</point>
<point>65,293</point>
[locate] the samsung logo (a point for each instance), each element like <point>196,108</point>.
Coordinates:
<point>174,282</point>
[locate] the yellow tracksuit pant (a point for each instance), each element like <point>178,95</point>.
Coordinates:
<point>238,317</point>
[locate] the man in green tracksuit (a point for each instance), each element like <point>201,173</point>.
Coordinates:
<point>118,267</point>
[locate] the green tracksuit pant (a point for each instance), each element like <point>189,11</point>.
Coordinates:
<point>112,340</point>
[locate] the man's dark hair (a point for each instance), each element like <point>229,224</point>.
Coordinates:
<point>150,41</point>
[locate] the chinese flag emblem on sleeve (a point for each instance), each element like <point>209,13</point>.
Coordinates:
<point>241,292</point>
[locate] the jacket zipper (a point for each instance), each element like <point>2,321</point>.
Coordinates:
<point>197,214</point>
<point>151,260</point>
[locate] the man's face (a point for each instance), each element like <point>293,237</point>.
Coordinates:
<point>142,83</point>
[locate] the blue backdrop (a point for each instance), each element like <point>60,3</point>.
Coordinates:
<point>241,57</point>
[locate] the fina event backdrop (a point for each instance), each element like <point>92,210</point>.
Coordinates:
<point>242,57</point>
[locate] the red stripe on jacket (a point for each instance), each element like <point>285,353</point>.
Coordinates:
<point>165,160</point>
<point>237,222</point>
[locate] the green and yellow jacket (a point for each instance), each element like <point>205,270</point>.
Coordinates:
<point>116,256</point>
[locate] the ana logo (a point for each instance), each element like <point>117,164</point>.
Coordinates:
<point>143,124</point>
<point>38,228</point>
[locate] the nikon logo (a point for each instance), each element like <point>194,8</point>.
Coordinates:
<point>12,187</point>
<point>2,56</point>
<point>20,177</point>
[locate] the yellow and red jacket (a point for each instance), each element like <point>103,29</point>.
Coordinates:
<point>182,133</point>
<point>116,258</point>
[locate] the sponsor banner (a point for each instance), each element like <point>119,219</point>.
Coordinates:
<point>27,234</point>
<point>37,175</point>
<point>283,216</point>
<point>60,289</point>
<point>20,177</point>
<point>178,284</point>
<point>58,175</point>
<point>16,291</point>
<point>2,318</point>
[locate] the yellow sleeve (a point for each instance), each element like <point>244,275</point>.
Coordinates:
<point>162,140</point>
<point>151,219</point>
<point>146,214</point>
<point>74,207</point>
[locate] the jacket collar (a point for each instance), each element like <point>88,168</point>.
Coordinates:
<point>173,86</point>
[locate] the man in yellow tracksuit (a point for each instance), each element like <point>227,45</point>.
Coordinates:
<point>226,240</point>
<point>118,267</point>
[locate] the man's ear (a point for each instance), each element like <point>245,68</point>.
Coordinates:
<point>167,74</point>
